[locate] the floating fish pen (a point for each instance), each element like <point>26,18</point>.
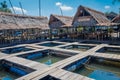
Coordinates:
<point>96,68</point>
<point>110,50</point>
<point>115,43</point>
<point>12,71</point>
<point>47,56</point>
<point>65,40</point>
<point>16,50</point>
<point>50,44</point>
<point>90,42</point>
<point>78,47</point>
<point>48,77</point>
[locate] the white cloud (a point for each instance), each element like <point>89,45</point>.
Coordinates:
<point>63,7</point>
<point>107,7</point>
<point>18,10</point>
<point>58,3</point>
<point>66,8</point>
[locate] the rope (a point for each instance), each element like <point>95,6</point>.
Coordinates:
<point>87,62</point>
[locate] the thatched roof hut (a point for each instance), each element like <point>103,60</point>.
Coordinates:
<point>116,19</point>
<point>111,15</point>
<point>89,17</point>
<point>57,21</point>
<point>14,21</point>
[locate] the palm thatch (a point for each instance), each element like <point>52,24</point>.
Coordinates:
<point>111,15</point>
<point>89,17</point>
<point>57,21</point>
<point>14,21</point>
<point>116,19</point>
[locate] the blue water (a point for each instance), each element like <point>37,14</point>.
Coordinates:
<point>78,47</point>
<point>15,50</point>
<point>51,44</point>
<point>6,75</point>
<point>103,75</point>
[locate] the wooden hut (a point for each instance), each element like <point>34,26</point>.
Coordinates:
<point>117,21</point>
<point>18,28</point>
<point>61,25</point>
<point>111,15</point>
<point>93,24</point>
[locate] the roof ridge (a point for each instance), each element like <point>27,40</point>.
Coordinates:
<point>62,16</point>
<point>92,9</point>
<point>97,12</point>
<point>19,15</point>
<point>115,17</point>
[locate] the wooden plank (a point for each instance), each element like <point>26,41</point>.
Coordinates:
<point>66,76</point>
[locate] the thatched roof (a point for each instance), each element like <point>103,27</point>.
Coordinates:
<point>89,17</point>
<point>14,21</point>
<point>111,15</point>
<point>116,19</point>
<point>60,21</point>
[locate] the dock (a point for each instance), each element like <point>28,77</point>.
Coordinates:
<point>56,70</point>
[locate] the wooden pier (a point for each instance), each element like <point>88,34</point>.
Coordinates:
<point>56,70</point>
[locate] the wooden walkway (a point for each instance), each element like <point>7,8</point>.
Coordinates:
<point>55,69</point>
<point>107,56</point>
<point>27,63</point>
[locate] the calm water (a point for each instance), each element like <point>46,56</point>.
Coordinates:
<point>90,42</point>
<point>6,75</point>
<point>51,44</point>
<point>77,47</point>
<point>103,71</point>
<point>52,59</point>
<point>114,51</point>
<point>15,50</point>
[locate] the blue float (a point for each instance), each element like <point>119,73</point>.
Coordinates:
<point>36,55</point>
<point>77,64</point>
<point>18,71</point>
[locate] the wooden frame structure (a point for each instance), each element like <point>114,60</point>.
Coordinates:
<point>61,26</point>
<point>86,24</point>
<point>95,24</point>
<point>18,28</point>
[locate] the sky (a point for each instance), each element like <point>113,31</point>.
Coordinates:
<point>68,7</point>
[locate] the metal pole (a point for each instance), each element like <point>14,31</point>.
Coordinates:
<point>39,7</point>
<point>61,11</point>
<point>119,11</point>
<point>12,6</point>
<point>21,8</point>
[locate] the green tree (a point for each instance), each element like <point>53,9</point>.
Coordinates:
<point>4,7</point>
<point>80,29</point>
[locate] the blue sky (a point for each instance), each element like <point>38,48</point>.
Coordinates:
<point>69,7</point>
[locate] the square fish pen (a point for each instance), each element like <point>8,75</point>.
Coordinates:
<point>109,50</point>
<point>78,47</point>
<point>48,77</point>
<point>67,40</point>
<point>96,68</point>
<point>13,50</point>
<point>90,42</point>
<point>12,71</point>
<point>50,44</point>
<point>47,56</point>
